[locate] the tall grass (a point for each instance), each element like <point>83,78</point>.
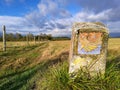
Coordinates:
<point>58,78</point>
<point>45,67</point>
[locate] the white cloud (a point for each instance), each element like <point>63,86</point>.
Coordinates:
<point>50,7</point>
<point>84,16</point>
<point>63,32</point>
<point>114,26</point>
<point>104,15</point>
<point>51,18</point>
<point>46,16</point>
<point>10,20</point>
<point>16,24</point>
<point>91,16</point>
<point>43,9</point>
<point>58,26</point>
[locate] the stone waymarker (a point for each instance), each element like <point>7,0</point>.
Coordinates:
<point>88,47</point>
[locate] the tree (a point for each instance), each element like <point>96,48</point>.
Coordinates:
<point>10,37</point>
<point>49,37</point>
<point>31,36</point>
<point>18,36</point>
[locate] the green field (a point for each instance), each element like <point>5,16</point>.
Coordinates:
<point>16,44</point>
<point>44,66</point>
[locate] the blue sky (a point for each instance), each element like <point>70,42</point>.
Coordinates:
<point>57,16</point>
<point>17,7</point>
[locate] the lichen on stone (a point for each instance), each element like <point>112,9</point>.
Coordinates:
<point>82,38</point>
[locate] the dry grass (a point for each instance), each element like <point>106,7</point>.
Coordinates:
<point>28,66</point>
<point>11,44</point>
<point>114,43</point>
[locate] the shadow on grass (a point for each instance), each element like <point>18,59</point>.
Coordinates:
<point>16,80</point>
<point>115,61</point>
<point>19,79</point>
<point>113,58</point>
<point>59,79</point>
<point>20,49</point>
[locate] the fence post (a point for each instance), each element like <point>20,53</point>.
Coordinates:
<point>35,39</point>
<point>4,38</point>
<point>27,39</point>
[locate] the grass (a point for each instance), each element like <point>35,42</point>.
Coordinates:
<point>58,78</point>
<point>16,44</point>
<point>45,66</point>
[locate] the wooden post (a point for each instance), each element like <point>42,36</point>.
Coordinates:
<point>27,39</point>
<point>4,38</point>
<point>34,39</point>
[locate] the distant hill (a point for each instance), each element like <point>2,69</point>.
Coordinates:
<point>115,35</point>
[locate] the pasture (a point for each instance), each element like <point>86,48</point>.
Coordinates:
<point>44,66</point>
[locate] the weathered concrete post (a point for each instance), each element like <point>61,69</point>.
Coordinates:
<point>88,47</point>
<point>4,38</point>
<point>34,39</point>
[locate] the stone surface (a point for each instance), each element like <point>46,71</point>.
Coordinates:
<point>88,47</point>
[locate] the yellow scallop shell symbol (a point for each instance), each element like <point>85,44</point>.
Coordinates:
<point>78,60</point>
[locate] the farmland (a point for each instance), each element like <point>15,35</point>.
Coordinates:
<point>44,66</point>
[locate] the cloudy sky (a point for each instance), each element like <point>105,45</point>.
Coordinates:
<point>57,16</point>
